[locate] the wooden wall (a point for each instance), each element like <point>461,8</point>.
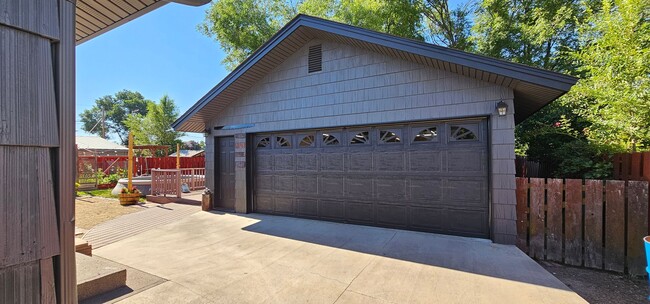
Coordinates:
<point>358,86</point>
<point>36,151</point>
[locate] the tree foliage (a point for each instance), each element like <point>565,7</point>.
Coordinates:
<point>450,28</point>
<point>113,110</point>
<point>531,32</point>
<point>614,57</point>
<point>154,128</point>
<point>242,26</point>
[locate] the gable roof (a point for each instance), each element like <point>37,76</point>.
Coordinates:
<point>188,153</point>
<point>533,87</point>
<point>97,143</point>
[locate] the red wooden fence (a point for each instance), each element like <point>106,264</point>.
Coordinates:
<point>143,165</point>
<point>632,166</point>
<point>591,223</point>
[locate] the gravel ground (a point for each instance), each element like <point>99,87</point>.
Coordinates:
<point>91,211</point>
<point>600,286</point>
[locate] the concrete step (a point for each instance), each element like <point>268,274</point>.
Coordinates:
<point>97,276</point>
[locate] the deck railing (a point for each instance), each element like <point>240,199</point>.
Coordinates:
<point>168,181</point>
<point>193,177</point>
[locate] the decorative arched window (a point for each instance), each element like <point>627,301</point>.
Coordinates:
<point>283,142</point>
<point>428,134</point>
<point>389,137</point>
<point>462,133</point>
<point>307,141</point>
<point>330,140</point>
<point>362,137</point>
<point>264,142</point>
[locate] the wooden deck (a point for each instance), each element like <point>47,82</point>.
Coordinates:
<point>192,198</point>
<point>138,222</point>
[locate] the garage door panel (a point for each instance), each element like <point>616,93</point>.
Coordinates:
<point>360,161</point>
<point>427,218</point>
<point>425,161</point>
<point>307,184</point>
<point>283,162</point>
<point>284,204</point>
<point>358,187</point>
<point>263,162</point>
<point>465,192</point>
<point>465,161</point>
<point>391,215</point>
<point>264,183</point>
<point>425,191</point>
<point>284,183</point>
<point>307,162</point>
<point>332,161</point>
<point>331,209</point>
<point>389,161</point>
<point>360,212</point>
<point>435,182</point>
<point>306,207</point>
<point>331,186</point>
<point>467,222</point>
<point>264,203</point>
<point>390,188</point>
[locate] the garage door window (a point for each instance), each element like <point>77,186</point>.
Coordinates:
<point>360,138</point>
<point>463,133</point>
<point>426,135</point>
<point>264,142</point>
<point>283,142</point>
<point>330,140</point>
<point>307,141</point>
<point>386,136</point>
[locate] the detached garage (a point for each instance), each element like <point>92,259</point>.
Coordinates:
<point>334,122</point>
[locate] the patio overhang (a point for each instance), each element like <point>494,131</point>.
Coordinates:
<point>95,17</point>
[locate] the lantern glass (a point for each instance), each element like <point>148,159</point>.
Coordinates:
<point>502,108</point>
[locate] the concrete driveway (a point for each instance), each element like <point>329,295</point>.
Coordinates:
<point>230,258</point>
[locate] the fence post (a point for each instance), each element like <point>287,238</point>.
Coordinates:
<point>178,183</point>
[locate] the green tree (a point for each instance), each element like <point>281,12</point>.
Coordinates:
<point>614,57</point>
<point>396,17</point>
<point>154,128</point>
<point>108,114</point>
<point>531,32</point>
<point>241,26</point>
<point>450,28</point>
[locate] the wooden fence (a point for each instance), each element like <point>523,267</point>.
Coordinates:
<point>88,165</point>
<point>525,167</point>
<point>591,223</point>
<point>632,166</point>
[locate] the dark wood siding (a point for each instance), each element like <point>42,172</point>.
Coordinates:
<point>37,110</point>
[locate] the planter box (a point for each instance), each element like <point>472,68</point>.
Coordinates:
<point>129,198</point>
<point>106,186</point>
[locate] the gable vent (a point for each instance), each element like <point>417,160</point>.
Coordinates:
<point>315,58</point>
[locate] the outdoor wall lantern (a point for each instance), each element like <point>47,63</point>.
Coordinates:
<point>502,108</point>
<point>206,132</point>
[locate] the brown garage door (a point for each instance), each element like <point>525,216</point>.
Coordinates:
<point>422,176</point>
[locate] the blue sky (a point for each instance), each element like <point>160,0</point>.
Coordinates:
<point>158,53</point>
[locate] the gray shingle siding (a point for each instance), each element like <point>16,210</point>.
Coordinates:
<point>357,87</point>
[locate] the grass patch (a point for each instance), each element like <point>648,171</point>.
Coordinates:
<point>99,193</point>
